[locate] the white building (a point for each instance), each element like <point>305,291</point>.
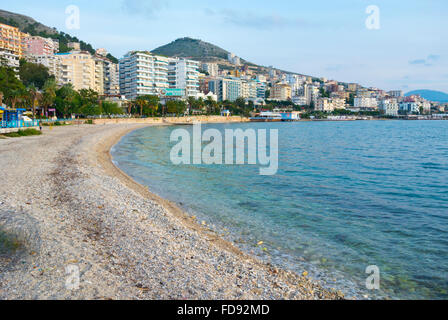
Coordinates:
<point>365,103</point>
<point>329,105</point>
<point>233,59</point>
<point>9,59</point>
<point>211,68</point>
<point>184,74</point>
<point>389,107</point>
<point>142,73</point>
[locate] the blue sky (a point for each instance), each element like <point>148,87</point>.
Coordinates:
<point>320,38</point>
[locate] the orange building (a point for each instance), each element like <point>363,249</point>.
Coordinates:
<point>12,40</point>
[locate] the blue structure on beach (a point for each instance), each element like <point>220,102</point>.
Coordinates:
<point>13,118</point>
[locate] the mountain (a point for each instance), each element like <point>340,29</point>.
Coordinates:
<point>24,23</point>
<point>431,95</point>
<point>192,48</point>
<point>29,25</point>
<point>204,52</point>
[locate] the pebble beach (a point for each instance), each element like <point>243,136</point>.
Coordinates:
<point>64,203</point>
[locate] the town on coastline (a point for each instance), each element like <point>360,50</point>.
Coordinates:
<point>43,80</point>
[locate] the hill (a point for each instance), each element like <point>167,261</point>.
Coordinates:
<point>192,48</point>
<point>202,51</point>
<point>29,25</point>
<point>431,95</point>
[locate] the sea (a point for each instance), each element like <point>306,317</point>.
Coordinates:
<point>360,206</point>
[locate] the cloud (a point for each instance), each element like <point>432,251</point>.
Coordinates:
<point>253,20</point>
<point>145,8</point>
<point>428,62</point>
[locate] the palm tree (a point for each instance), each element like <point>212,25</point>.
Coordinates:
<point>141,102</point>
<point>49,94</point>
<point>1,98</point>
<point>17,96</point>
<point>34,96</point>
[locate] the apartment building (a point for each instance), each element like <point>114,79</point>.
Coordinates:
<point>366,103</point>
<point>281,92</point>
<point>142,73</point>
<point>184,74</point>
<point>227,88</point>
<point>211,68</point>
<point>12,40</point>
<point>35,45</point>
<point>80,69</point>
<point>9,59</point>
<point>324,104</point>
<point>107,76</point>
<point>389,107</point>
<point>12,46</point>
<point>329,105</point>
<point>249,90</point>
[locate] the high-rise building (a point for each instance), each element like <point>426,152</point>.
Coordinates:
<point>184,74</point>
<point>142,73</point>
<point>79,69</point>
<point>35,45</point>
<point>108,72</point>
<point>281,92</point>
<point>12,46</point>
<point>249,90</point>
<point>389,107</point>
<point>12,39</point>
<point>227,88</point>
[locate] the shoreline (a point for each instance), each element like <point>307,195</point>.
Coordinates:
<point>127,242</point>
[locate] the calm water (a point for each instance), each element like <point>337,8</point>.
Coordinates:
<point>347,195</point>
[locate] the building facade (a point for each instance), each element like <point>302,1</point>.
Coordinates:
<point>142,73</point>
<point>389,107</point>
<point>211,68</point>
<point>281,92</point>
<point>184,74</point>
<point>79,69</point>
<point>35,45</point>
<point>227,88</point>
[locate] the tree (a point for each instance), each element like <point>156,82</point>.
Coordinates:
<point>66,100</point>
<point>177,107</point>
<point>152,104</point>
<point>48,94</point>
<point>211,106</point>
<point>141,102</point>
<point>111,108</point>
<point>33,74</point>
<point>10,85</point>
<point>34,96</point>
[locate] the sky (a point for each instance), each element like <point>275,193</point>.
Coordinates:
<point>400,45</point>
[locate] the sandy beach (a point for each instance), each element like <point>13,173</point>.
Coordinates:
<point>68,205</point>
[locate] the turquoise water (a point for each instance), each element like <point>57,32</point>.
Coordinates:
<point>347,195</point>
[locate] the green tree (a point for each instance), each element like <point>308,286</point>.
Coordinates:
<point>48,94</point>
<point>34,97</point>
<point>141,102</point>
<point>10,86</point>
<point>66,100</point>
<point>152,104</point>
<point>33,74</point>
